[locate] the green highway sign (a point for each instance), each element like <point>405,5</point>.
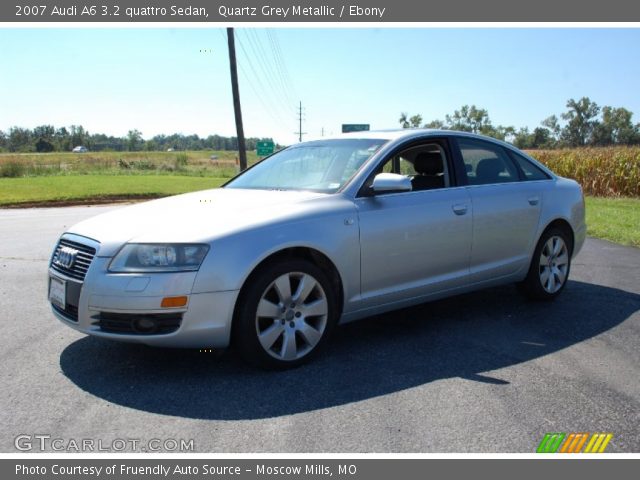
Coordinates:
<point>355,127</point>
<point>265,148</point>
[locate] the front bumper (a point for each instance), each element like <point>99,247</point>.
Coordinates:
<point>205,322</point>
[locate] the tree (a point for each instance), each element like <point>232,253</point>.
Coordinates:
<point>581,121</point>
<point>415,121</point>
<point>404,120</point>
<point>541,138</point>
<point>19,140</point>
<point>134,140</point>
<point>523,139</point>
<point>44,146</point>
<point>499,132</point>
<point>469,119</point>
<point>46,132</point>
<point>616,128</point>
<point>551,124</point>
<point>62,140</point>
<point>438,124</point>
<point>78,135</point>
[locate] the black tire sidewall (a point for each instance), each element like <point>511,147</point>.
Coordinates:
<point>532,286</point>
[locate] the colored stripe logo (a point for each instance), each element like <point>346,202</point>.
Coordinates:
<point>574,443</point>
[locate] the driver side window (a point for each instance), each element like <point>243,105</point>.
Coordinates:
<point>426,165</point>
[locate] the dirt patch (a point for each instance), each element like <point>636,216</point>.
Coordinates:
<point>100,200</point>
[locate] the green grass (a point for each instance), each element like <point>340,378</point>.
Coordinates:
<point>14,191</point>
<point>614,219</point>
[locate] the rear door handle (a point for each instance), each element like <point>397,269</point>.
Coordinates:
<point>459,209</point>
<point>533,200</point>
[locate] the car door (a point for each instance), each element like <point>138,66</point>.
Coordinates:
<point>506,210</point>
<point>414,243</point>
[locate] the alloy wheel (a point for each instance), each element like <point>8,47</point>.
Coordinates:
<point>554,264</point>
<point>291,316</point>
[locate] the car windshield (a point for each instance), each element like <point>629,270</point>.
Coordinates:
<point>322,166</point>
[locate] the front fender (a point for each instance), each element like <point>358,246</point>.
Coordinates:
<point>232,259</point>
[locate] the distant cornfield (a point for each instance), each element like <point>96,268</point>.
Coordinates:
<point>602,171</point>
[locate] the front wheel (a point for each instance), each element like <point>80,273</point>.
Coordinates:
<point>285,314</point>
<point>550,265</point>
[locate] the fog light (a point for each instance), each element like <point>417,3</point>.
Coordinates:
<point>144,325</point>
<point>173,302</point>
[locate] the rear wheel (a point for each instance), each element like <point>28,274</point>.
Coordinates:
<point>285,314</point>
<point>550,266</point>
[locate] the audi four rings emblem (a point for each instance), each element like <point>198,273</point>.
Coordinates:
<point>66,257</point>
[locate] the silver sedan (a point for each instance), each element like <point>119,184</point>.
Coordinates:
<point>320,233</point>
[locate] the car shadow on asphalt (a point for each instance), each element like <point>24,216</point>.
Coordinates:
<point>463,336</point>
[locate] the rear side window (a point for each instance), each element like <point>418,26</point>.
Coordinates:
<point>531,171</point>
<point>486,164</point>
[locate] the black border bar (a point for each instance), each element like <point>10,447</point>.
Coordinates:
<point>330,11</point>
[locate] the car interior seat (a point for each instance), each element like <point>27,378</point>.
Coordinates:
<point>488,171</point>
<point>430,171</point>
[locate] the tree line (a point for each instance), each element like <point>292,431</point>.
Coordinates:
<point>47,138</point>
<point>584,123</point>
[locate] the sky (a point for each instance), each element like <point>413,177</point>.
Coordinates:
<point>176,80</point>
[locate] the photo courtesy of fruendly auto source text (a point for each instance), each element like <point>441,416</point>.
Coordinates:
<point>311,239</point>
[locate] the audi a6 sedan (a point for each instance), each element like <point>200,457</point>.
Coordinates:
<point>320,233</point>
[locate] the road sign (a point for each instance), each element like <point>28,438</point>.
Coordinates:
<point>355,127</point>
<point>265,148</point>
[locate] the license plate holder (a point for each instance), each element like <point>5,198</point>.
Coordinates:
<point>58,292</point>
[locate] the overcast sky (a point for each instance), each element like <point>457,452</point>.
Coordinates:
<point>164,80</point>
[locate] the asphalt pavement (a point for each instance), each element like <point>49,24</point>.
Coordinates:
<point>482,372</point>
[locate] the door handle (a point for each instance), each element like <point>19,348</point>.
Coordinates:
<point>459,209</point>
<point>533,200</point>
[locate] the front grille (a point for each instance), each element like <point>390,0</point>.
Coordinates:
<point>70,311</point>
<point>139,324</point>
<point>80,266</point>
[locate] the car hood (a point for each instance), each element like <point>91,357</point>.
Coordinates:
<point>197,217</point>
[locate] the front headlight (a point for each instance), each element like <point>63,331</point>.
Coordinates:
<point>158,257</point>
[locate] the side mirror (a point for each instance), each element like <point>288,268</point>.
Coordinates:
<point>390,182</point>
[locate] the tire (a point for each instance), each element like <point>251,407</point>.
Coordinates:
<point>549,270</point>
<point>286,313</point>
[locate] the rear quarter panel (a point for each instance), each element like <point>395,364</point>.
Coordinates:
<point>563,199</point>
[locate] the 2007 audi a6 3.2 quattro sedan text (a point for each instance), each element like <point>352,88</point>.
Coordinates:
<point>319,233</point>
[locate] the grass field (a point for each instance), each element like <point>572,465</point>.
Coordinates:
<point>193,163</point>
<point>615,219</point>
<point>61,189</point>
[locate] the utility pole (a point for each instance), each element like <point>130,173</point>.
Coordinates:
<point>300,132</point>
<point>242,151</point>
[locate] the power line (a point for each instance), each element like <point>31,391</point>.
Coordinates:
<point>264,96</point>
<point>269,80</point>
<point>283,66</point>
<point>281,69</point>
<point>265,65</point>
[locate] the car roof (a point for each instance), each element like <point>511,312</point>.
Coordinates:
<point>417,133</point>
<point>407,134</point>
<point>381,134</point>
